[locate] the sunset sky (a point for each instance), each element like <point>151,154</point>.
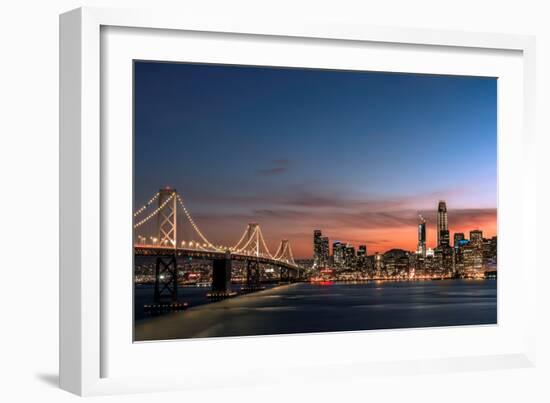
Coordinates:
<point>355,154</point>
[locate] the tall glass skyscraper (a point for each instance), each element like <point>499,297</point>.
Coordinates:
<point>339,253</point>
<point>422,237</point>
<point>320,249</point>
<point>442,223</point>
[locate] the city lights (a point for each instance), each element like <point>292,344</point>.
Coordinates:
<point>474,258</point>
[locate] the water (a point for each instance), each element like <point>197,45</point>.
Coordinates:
<point>305,308</point>
<point>194,296</point>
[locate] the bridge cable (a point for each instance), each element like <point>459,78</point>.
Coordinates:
<point>195,227</point>
<point>142,208</point>
<point>155,212</point>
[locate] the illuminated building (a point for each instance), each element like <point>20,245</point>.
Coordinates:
<point>369,266</point>
<point>472,256</point>
<point>458,236</point>
<point>325,251</point>
<point>476,236</point>
<point>422,237</point>
<point>459,245</point>
<point>339,253</point>
<point>349,257</point>
<point>361,259</point>
<point>444,239</point>
<point>442,223</point>
<point>320,249</point>
<point>490,253</point>
<point>396,262</point>
<point>443,259</point>
<point>378,265</point>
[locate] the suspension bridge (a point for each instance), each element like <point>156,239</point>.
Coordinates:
<point>164,229</point>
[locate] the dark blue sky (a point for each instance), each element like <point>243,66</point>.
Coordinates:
<point>273,145</point>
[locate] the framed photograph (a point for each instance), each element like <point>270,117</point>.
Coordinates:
<point>238,197</point>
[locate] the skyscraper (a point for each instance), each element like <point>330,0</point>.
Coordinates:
<point>476,236</point>
<point>325,252</point>
<point>444,238</point>
<point>422,237</point>
<point>349,257</point>
<point>458,236</point>
<point>320,249</point>
<point>442,223</point>
<point>317,235</point>
<point>362,250</point>
<point>339,253</point>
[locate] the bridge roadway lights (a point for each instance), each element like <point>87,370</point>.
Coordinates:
<point>166,279</point>
<point>221,279</point>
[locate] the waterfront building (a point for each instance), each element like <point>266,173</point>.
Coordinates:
<point>317,234</point>
<point>325,252</point>
<point>320,249</point>
<point>349,257</point>
<point>421,249</point>
<point>378,265</point>
<point>396,262</point>
<point>369,266</point>
<point>472,256</point>
<point>443,259</point>
<point>361,258</point>
<point>339,253</point>
<point>489,249</point>
<point>416,262</point>
<point>442,222</point>
<point>428,264</point>
<point>459,256</point>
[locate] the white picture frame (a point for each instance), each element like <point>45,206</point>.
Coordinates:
<point>88,333</point>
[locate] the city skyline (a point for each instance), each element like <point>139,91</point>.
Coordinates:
<point>422,240</point>
<point>249,144</point>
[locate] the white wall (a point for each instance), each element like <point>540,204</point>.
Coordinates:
<point>29,185</point>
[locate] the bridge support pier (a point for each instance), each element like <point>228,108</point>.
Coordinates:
<point>166,278</point>
<point>221,275</point>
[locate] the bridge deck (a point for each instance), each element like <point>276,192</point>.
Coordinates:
<point>148,250</point>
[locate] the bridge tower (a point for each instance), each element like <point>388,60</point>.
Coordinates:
<point>167,217</point>
<point>284,254</point>
<point>252,239</point>
<point>166,268</point>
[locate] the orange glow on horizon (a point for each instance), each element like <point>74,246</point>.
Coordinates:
<point>382,240</point>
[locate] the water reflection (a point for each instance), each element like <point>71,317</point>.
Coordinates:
<point>305,307</point>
